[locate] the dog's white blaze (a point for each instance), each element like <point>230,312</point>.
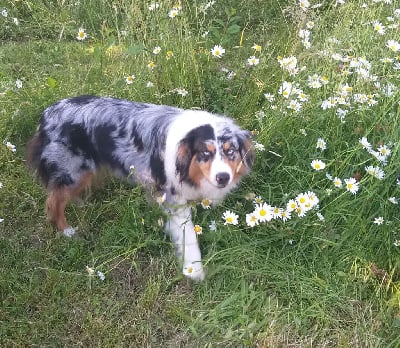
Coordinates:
<point>219,166</point>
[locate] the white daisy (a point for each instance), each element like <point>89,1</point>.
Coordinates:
<point>365,144</point>
<point>11,147</point>
<point>218,51</point>
<point>337,182</point>
<point>173,13</point>
<point>129,79</point>
<point>291,205</point>
<point>318,165</point>
<point>156,50</point>
<point>251,219</point>
<point>393,45</point>
<point>321,144</point>
<point>263,212</point>
<point>253,61</point>
<point>230,218</point>
<point>81,34</point>
<point>206,203</point>
<point>286,215</point>
<point>198,229</point>
<point>352,185</point>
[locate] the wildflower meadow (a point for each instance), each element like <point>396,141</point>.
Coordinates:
<point>305,253</point>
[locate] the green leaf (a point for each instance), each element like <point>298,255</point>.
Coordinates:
<point>51,82</point>
<point>233,29</point>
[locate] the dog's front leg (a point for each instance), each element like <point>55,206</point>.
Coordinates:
<point>180,228</point>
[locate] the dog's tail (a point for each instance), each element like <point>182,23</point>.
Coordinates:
<point>34,152</point>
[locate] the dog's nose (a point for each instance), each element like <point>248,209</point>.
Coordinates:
<point>222,179</point>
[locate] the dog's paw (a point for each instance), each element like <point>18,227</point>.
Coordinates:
<point>194,271</point>
<point>69,231</point>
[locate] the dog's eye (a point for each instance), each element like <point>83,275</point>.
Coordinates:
<point>230,152</point>
<point>206,155</point>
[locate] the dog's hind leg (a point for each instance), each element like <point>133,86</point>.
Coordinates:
<point>56,202</point>
<point>58,199</point>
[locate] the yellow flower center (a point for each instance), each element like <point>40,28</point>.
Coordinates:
<point>197,229</point>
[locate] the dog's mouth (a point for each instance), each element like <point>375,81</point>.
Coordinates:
<point>221,186</point>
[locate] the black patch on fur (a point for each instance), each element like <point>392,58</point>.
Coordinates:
<point>200,134</point>
<point>224,138</point>
<point>122,133</point>
<point>84,167</point>
<point>182,162</point>
<point>63,180</point>
<point>157,168</point>
<point>78,141</point>
<point>82,99</point>
<point>137,139</point>
<point>51,174</point>
<point>105,144</point>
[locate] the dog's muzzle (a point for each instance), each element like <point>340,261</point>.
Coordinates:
<point>222,179</point>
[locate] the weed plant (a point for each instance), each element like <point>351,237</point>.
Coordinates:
<point>304,254</point>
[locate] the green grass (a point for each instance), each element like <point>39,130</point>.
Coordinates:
<point>302,283</point>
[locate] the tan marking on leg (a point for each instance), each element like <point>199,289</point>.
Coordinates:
<point>55,205</point>
<point>58,199</point>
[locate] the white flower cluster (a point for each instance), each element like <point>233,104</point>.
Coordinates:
<point>382,152</point>
<point>300,205</point>
<point>305,34</point>
<point>289,64</point>
<point>295,96</point>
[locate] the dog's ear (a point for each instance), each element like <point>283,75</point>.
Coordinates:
<point>183,159</point>
<point>246,148</point>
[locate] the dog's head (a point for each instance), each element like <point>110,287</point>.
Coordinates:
<point>219,154</point>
